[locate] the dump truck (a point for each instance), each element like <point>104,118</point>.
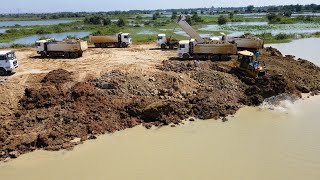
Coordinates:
<point>247,64</point>
<point>164,42</point>
<point>120,40</point>
<point>200,48</point>
<point>8,62</point>
<point>69,48</point>
<point>250,43</point>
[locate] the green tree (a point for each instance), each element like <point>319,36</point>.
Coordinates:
<point>154,17</point>
<point>222,20</point>
<point>273,17</point>
<point>121,22</point>
<point>174,15</point>
<point>250,8</point>
<point>287,13</point>
<point>196,18</point>
<point>231,14</point>
<point>189,20</point>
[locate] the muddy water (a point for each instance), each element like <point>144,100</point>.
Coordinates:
<point>258,143</point>
<point>301,48</point>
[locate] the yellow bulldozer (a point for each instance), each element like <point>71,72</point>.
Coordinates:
<point>247,64</point>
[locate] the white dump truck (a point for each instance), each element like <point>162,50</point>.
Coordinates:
<point>199,48</point>
<point>8,62</point>
<point>121,40</point>
<point>69,48</point>
<point>164,42</point>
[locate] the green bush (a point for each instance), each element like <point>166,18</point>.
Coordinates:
<point>222,20</point>
<point>121,22</point>
<point>282,36</point>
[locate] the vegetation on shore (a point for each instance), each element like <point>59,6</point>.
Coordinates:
<point>144,25</point>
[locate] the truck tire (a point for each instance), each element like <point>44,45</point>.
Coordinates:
<point>66,55</point>
<point>73,55</point>
<point>196,57</point>
<point>97,45</point>
<point>43,54</point>
<point>124,45</point>
<point>103,45</point>
<point>171,46</point>
<point>224,57</point>
<point>52,54</point>
<point>215,57</point>
<point>163,46</point>
<point>185,56</point>
<point>3,72</point>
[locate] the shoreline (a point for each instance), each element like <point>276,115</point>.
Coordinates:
<point>60,108</point>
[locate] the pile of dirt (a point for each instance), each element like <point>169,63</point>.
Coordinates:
<point>57,76</point>
<point>61,113</point>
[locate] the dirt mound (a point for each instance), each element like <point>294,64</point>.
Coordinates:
<point>57,76</point>
<point>274,52</point>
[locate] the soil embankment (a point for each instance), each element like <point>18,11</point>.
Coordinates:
<point>66,106</point>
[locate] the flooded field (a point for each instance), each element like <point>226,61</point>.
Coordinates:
<point>236,29</point>
<point>34,23</point>
<point>58,36</point>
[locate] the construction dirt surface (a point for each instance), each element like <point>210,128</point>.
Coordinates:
<point>55,104</point>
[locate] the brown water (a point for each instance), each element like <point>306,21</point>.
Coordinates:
<point>301,48</point>
<point>258,143</point>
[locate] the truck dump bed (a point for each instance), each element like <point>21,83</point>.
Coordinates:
<point>103,39</point>
<point>224,48</point>
<point>247,43</point>
<point>68,46</point>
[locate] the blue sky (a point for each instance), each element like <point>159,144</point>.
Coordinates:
<point>24,6</point>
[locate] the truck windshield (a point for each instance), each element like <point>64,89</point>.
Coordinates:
<point>2,57</point>
<point>11,56</point>
<point>159,37</point>
<point>126,36</point>
<point>182,46</point>
<point>37,44</point>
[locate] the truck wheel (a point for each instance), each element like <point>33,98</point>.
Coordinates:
<point>196,57</point>
<point>171,46</point>
<point>73,55</point>
<point>123,45</point>
<point>224,57</point>
<point>43,54</point>
<point>103,45</point>
<point>3,72</point>
<point>215,58</point>
<point>185,56</point>
<point>51,54</point>
<point>163,46</point>
<point>66,55</point>
<point>97,45</point>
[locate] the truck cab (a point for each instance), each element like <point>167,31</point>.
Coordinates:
<point>41,46</point>
<point>8,62</point>
<point>184,49</point>
<point>125,39</point>
<point>161,40</point>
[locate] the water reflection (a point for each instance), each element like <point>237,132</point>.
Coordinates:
<point>58,36</point>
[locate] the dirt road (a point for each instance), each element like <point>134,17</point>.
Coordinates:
<point>57,103</point>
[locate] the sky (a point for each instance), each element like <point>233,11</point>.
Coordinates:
<point>40,6</point>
